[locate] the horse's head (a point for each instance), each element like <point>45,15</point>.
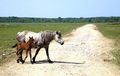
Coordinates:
<point>58,38</point>
<point>31,40</point>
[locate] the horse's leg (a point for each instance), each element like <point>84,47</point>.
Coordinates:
<point>21,56</point>
<point>17,56</point>
<point>30,56</point>
<point>47,53</point>
<point>17,53</point>
<point>36,54</point>
<point>25,57</point>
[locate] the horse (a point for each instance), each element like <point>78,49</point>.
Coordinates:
<point>25,46</point>
<point>42,40</point>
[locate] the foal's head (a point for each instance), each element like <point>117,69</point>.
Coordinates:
<point>31,40</point>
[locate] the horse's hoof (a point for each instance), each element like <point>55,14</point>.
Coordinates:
<point>18,61</point>
<point>50,61</point>
<point>31,62</point>
<point>23,62</point>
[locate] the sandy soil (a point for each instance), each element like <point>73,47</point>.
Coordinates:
<point>86,52</point>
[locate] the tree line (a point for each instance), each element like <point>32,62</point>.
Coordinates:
<point>58,20</point>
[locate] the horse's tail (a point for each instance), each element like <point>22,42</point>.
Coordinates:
<point>14,45</point>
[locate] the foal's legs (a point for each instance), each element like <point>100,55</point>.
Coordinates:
<point>25,57</point>
<point>18,55</point>
<point>20,58</point>
<point>30,56</point>
<point>36,54</point>
<point>47,53</point>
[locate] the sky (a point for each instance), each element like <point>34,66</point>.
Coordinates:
<point>59,8</point>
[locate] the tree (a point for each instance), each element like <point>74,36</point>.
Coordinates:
<point>59,19</point>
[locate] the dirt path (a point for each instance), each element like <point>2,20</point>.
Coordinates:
<point>85,53</point>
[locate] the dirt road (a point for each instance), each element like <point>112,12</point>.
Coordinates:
<point>86,52</point>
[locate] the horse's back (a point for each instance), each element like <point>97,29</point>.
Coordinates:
<point>21,36</point>
<point>40,38</point>
<point>24,36</point>
<point>35,36</point>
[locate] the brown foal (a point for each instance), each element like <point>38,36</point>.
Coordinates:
<point>25,46</point>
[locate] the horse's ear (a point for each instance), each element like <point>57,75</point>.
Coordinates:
<point>57,32</point>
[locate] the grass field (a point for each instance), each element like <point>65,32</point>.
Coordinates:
<point>112,31</point>
<point>8,32</point>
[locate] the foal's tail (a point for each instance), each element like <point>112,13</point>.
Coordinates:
<point>14,45</point>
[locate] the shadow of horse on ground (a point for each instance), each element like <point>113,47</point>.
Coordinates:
<point>45,61</point>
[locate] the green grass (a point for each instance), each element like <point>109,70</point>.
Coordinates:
<point>41,24</point>
<point>8,33</point>
<point>112,31</point>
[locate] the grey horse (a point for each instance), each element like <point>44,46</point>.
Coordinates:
<point>42,40</point>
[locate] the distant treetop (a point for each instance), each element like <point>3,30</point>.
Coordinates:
<point>59,19</point>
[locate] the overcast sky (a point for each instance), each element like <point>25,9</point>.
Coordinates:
<point>59,8</point>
